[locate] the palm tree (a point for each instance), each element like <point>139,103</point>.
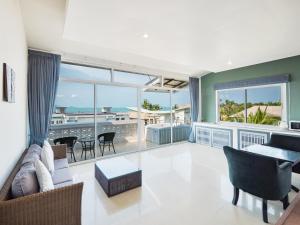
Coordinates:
<point>261,117</point>
<point>152,107</point>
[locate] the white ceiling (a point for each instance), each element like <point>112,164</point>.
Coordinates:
<point>185,36</point>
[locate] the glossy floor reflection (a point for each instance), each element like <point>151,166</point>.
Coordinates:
<point>183,184</point>
<point>120,148</point>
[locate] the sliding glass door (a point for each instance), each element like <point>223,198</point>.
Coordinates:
<point>117,119</point>
<point>74,117</point>
<point>109,112</point>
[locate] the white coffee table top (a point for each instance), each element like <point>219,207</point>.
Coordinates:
<point>116,167</point>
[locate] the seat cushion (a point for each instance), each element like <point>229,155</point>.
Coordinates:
<point>25,182</point>
<point>61,176</point>
<point>64,184</point>
<point>61,163</point>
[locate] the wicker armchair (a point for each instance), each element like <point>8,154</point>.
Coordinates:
<point>61,206</point>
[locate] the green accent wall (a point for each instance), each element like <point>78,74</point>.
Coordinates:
<point>288,65</point>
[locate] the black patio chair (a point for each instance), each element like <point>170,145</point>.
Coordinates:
<point>106,139</point>
<point>70,142</point>
<point>260,176</point>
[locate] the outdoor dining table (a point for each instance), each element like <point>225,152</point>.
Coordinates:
<point>88,144</point>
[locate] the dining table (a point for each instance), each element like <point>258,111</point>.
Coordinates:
<point>280,154</point>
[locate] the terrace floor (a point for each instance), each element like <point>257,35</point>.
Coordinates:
<point>182,184</point>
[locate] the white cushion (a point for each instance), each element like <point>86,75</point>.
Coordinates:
<point>43,176</point>
<point>47,157</point>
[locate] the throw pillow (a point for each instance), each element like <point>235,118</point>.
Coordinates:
<point>30,157</point>
<point>33,153</point>
<point>25,182</point>
<point>47,156</point>
<point>43,176</point>
<point>35,148</point>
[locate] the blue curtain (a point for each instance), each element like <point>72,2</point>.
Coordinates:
<point>43,75</point>
<point>194,96</point>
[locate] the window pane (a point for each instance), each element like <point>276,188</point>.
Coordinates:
<point>232,105</point>
<point>132,78</point>
<point>117,113</point>
<point>74,117</point>
<point>156,115</point>
<point>84,73</point>
<point>264,105</point>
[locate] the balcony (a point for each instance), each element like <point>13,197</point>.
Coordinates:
<point>126,138</point>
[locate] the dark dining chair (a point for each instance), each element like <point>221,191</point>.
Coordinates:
<point>287,142</point>
<point>70,142</point>
<point>106,139</point>
<point>260,176</point>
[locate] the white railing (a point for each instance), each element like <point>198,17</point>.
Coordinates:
<point>123,130</point>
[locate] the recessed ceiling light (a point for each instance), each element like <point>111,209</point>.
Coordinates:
<point>145,35</point>
<point>229,62</point>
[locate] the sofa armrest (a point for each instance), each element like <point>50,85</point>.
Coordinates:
<point>59,206</point>
<point>60,151</point>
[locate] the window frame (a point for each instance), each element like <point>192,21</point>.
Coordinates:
<point>132,73</point>
<point>284,101</point>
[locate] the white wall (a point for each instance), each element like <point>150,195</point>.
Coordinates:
<point>13,51</point>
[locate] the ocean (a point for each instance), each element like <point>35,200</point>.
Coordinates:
<point>73,109</point>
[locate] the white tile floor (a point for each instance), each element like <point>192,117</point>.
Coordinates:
<point>183,184</point>
<point>119,147</point>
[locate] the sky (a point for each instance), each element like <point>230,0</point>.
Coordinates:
<point>82,95</point>
<point>254,95</point>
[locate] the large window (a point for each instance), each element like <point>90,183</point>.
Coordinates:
<point>255,105</point>
<point>107,111</point>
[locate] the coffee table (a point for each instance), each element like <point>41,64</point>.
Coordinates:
<point>117,175</point>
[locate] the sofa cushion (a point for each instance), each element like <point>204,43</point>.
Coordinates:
<point>61,176</point>
<point>43,176</point>
<point>25,182</point>
<point>33,153</point>
<point>64,184</point>
<point>47,156</point>
<point>61,163</point>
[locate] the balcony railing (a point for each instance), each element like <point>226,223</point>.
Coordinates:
<point>126,138</point>
<point>123,130</point>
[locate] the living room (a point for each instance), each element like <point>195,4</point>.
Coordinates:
<point>141,112</point>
